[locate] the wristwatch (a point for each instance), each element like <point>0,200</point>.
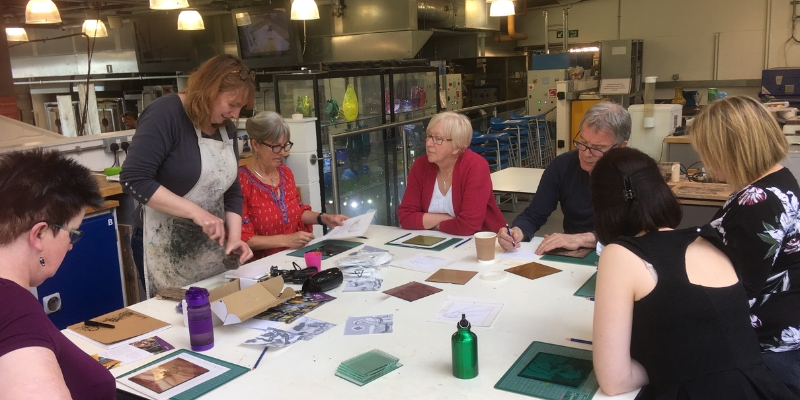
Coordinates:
<point>319,218</point>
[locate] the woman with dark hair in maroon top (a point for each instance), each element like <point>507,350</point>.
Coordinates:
<point>43,199</point>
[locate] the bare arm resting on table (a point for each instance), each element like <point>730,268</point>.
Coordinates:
<point>32,373</point>
<point>621,275</point>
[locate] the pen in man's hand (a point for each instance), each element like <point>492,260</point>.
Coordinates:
<point>89,322</point>
<point>512,236</point>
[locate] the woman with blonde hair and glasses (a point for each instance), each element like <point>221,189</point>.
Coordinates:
<point>273,216</point>
<point>740,143</point>
<point>449,188</point>
<point>181,167</point>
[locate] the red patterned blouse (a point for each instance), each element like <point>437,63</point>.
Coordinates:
<point>270,210</point>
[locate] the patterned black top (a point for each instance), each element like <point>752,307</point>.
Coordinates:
<point>760,225</point>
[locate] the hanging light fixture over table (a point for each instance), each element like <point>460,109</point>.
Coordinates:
<point>190,20</point>
<point>501,8</point>
<point>42,12</point>
<point>94,28</point>
<point>168,4</point>
<point>16,35</point>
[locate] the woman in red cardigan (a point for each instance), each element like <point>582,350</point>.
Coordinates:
<point>449,188</point>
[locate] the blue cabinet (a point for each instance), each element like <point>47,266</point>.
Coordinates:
<point>89,282</point>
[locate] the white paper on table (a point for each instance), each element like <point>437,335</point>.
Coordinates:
<point>310,328</point>
<point>253,271</point>
<point>121,342</point>
<point>422,263</point>
<point>273,337</point>
<point>520,254</point>
<point>352,227</point>
<point>125,354</point>
<point>259,324</point>
<point>214,370</point>
<point>479,312</point>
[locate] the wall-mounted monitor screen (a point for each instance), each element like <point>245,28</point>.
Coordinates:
<point>268,39</point>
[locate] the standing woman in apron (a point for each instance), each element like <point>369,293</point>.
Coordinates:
<point>181,167</point>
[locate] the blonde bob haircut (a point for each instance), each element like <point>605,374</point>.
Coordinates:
<point>738,137</point>
<point>456,126</point>
<point>221,74</point>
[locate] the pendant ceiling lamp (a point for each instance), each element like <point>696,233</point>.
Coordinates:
<point>16,35</point>
<point>168,4</point>
<point>190,20</point>
<point>303,10</point>
<point>94,28</point>
<point>42,12</point>
<point>501,8</point>
<point>243,19</point>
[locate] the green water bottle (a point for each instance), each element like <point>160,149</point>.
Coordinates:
<point>465,351</point>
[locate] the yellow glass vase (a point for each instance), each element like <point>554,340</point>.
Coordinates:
<point>350,104</point>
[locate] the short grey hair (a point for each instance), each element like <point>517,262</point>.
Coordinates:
<point>607,116</point>
<point>267,127</point>
<point>457,125</point>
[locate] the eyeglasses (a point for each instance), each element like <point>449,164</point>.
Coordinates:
<point>276,148</point>
<point>245,74</point>
<point>436,139</point>
<point>592,150</point>
<point>74,234</point>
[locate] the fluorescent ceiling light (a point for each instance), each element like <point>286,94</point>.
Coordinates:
<point>94,28</point>
<point>168,4</point>
<point>190,20</point>
<point>584,49</point>
<point>501,8</point>
<point>42,12</point>
<point>16,35</point>
<point>243,19</point>
<point>304,10</point>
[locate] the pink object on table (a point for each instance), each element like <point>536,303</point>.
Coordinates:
<point>313,260</point>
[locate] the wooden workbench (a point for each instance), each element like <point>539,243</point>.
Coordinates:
<point>701,194</point>
<point>107,188</point>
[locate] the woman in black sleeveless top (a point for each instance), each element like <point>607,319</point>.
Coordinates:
<point>670,313</point>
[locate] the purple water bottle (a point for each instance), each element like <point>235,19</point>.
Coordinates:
<point>201,326</point>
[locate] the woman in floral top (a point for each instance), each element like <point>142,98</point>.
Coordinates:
<point>273,217</point>
<point>741,144</point>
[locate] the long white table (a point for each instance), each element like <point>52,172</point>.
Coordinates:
<point>514,181</point>
<point>543,310</point>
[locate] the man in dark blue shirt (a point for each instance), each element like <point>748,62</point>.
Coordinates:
<point>566,180</point>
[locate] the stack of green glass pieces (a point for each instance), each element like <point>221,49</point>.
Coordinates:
<point>367,367</point>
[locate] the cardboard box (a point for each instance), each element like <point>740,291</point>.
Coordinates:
<point>240,300</point>
<point>233,305</point>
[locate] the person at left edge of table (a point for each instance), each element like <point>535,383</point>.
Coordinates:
<point>273,216</point>
<point>42,206</point>
<point>181,167</point>
<point>604,126</point>
<point>449,188</point>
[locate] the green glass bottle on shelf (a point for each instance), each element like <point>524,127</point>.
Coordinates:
<point>350,104</point>
<point>465,351</point>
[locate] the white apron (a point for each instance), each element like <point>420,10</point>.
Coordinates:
<point>176,251</point>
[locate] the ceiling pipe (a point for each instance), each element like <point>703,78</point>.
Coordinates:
<point>512,34</point>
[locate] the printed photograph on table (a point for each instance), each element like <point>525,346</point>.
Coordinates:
<point>168,375</point>
<point>369,325</point>
<point>294,308</point>
<point>363,285</point>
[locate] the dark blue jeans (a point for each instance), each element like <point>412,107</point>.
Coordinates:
<point>137,247</point>
<point>785,366</point>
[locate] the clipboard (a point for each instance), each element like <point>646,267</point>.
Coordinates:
<point>441,246</point>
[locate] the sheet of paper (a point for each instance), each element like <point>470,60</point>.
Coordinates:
<point>309,328</point>
<point>355,226</point>
<point>422,263</point>
<point>274,338</point>
<point>136,351</point>
<point>259,324</point>
<point>369,325</point>
<point>122,343</point>
<point>173,376</point>
<point>520,254</point>
<point>255,270</point>
<point>479,312</point>
<point>362,285</point>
